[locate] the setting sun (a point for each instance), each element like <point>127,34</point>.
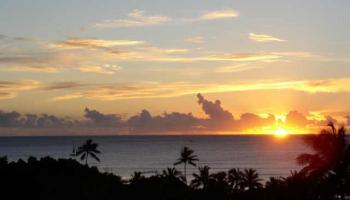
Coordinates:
<point>280,133</point>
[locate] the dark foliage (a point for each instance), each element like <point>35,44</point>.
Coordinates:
<point>89,148</point>
<point>49,178</point>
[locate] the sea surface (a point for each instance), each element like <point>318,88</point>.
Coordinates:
<point>123,155</point>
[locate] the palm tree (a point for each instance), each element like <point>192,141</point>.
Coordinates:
<point>250,179</point>
<point>331,152</point>
<point>235,177</point>
<point>186,157</point>
<point>220,178</point>
<point>136,177</point>
<point>87,149</point>
<point>330,161</point>
<point>202,179</point>
<point>172,174</point>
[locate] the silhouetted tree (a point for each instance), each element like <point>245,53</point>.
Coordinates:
<point>89,148</point>
<point>57,179</point>
<point>235,178</point>
<point>202,179</point>
<point>330,162</point>
<point>3,160</point>
<point>171,174</point>
<point>186,157</point>
<point>136,177</point>
<point>330,148</point>
<point>250,179</point>
<point>300,186</point>
<point>275,189</point>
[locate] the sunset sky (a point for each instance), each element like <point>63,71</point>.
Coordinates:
<point>119,57</point>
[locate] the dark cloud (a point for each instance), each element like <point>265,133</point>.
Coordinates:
<point>214,109</point>
<point>100,119</point>
<point>15,119</point>
<point>45,121</point>
<point>10,119</point>
<point>96,122</point>
<point>168,122</point>
<point>219,119</point>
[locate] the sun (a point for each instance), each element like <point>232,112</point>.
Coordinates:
<point>280,133</point>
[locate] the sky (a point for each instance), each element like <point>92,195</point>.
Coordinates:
<point>83,61</point>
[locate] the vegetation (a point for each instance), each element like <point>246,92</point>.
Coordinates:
<point>89,148</point>
<point>186,157</point>
<point>324,176</point>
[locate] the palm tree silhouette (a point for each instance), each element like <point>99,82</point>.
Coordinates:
<point>235,178</point>
<point>202,179</point>
<point>87,149</point>
<point>136,177</point>
<point>331,151</point>
<point>330,161</point>
<point>250,179</point>
<point>186,157</point>
<point>172,174</point>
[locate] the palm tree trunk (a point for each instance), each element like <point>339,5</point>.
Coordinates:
<point>86,159</point>
<point>185,173</point>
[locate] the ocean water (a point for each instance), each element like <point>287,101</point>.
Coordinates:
<point>123,155</point>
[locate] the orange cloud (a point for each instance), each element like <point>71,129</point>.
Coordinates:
<point>107,69</point>
<point>264,38</point>
<point>217,14</point>
<point>237,68</point>
<point>24,85</point>
<point>7,95</point>
<point>75,43</point>
<point>29,68</point>
<point>146,90</point>
<point>9,89</point>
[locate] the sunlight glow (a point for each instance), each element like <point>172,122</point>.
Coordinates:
<point>281,133</point>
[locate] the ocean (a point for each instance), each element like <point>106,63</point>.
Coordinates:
<point>122,155</point>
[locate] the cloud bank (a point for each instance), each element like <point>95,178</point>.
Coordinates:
<point>217,120</point>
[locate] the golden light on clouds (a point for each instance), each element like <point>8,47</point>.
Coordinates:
<point>146,90</point>
<point>7,95</point>
<point>219,14</point>
<point>237,68</point>
<point>107,69</point>
<point>264,38</point>
<point>10,89</point>
<point>40,69</point>
<point>67,97</point>
<point>23,85</point>
<point>74,43</point>
<point>281,128</point>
